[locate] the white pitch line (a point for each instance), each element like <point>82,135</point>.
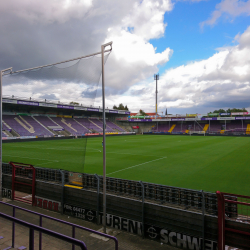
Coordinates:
<point>57,148</point>
<point>94,150</point>
<point>136,165</point>
<point>128,154</point>
<point>41,164</point>
<point>32,158</point>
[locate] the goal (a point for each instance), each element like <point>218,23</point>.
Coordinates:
<point>197,133</point>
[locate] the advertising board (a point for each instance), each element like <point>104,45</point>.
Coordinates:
<point>163,235</point>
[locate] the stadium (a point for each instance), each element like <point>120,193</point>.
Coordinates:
<point>171,165</point>
<point>177,180</point>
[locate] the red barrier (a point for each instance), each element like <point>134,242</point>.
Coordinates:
<point>31,180</point>
<point>235,208</point>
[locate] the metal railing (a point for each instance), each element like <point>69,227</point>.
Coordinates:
<point>141,194</point>
<point>233,207</point>
<point>186,199</point>
<point>41,230</point>
<point>41,216</point>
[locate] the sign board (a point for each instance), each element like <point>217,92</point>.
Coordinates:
<point>9,101</point>
<point>51,105</point>
<point>225,118</point>
<point>162,235</point>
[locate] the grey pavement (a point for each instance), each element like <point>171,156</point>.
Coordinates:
<point>126,240</point>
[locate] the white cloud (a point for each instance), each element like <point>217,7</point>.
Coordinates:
<point>37,33</point>
<point>133,48</point>
<point>221,81</point>
<point>197,0</point>
<point>228,8</point>
<point>146,18</point>
<point>134,58</point>
<point>51,31</point>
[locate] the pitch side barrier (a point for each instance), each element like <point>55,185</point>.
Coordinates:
<point>199,134</point>
<point>179,217</point>
<point>26,138</point>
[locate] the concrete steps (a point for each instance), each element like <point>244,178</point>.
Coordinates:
<point>172,128</point>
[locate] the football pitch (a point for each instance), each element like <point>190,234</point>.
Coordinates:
<point>209,163</point>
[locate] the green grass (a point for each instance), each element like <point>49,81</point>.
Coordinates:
<point>210,163</point>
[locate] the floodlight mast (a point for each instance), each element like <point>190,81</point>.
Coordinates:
<point>1,125</point>
<point>156,77</point>
<point>104,136</point>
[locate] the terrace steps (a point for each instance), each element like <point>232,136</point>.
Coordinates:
<point>43,125</point>
<point>6,125</point>
<point>206,127</point>
<point>22,123</point>
<point>68,124</point>
<point>80,124</point>
<point>94,124</point>
<point>248,129</point>
<point>63,132</point>
<point>4,132</point>
<point>14,133</point>
<point>7,133</point>
<point>172,128</point>
<point>118,125</point>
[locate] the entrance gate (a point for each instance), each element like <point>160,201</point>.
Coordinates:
<point>23,182</point>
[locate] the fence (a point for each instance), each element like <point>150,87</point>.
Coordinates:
<point>73,226</point>
<point>232,210</point>
<point>146,209</point>
<point>179,217</point>
<point>33,228</point>
<point>186,199</point>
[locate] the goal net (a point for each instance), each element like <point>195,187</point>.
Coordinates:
<point>197,133</point>
<point>58,99</point>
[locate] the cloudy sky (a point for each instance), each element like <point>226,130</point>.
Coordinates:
<point>200,48</point>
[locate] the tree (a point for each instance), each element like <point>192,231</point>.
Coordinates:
<point>236,110</point>
<point>219,111</point>
<point>142,112</point>
<point>120,107</point>
<point>74,103</point>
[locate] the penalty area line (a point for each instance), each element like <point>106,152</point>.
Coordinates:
<point>136,165</point>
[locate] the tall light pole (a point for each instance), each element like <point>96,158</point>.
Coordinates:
<point>156,77</point>
<point>104,135</point>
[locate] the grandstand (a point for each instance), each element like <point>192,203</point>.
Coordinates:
<point>127,197</point>
<point>176,124</point>
<point>51,119</point>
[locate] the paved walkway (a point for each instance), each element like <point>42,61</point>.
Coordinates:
<point>126,240</point>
